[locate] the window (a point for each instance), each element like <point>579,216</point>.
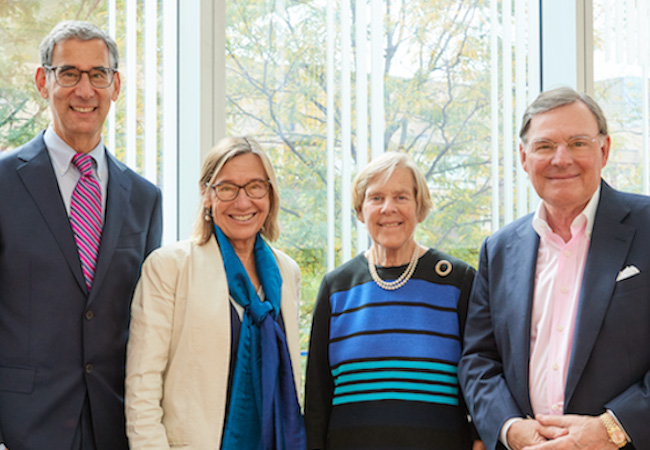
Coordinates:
<point>621,76</point>
<point>326,84</point>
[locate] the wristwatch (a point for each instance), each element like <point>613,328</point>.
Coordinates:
<point>616,435</point>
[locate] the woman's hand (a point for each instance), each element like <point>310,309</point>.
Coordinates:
<point>478,445</point>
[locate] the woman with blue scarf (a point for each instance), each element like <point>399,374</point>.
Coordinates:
<point>213,356</point>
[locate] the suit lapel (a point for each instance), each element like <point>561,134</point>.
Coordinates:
<point>610,244</point>
<point>117,196</point>
<point>38,176</point>
<point>521,259</point>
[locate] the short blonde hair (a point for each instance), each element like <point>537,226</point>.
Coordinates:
<point>224,151</point>
<point>383,167</point>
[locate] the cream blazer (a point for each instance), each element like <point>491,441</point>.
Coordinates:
<point>178,354</point>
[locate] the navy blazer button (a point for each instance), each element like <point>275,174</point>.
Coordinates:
<point>90,315</point>
<point>89,368</point>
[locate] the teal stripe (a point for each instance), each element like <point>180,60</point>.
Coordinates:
<point>395,396</point>
<point>392,385</point>
<point>388,364</point>
<point>425,376</point>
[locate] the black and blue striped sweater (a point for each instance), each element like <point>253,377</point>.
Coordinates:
<point>381,372</point>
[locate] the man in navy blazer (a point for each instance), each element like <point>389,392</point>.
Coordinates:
<point>557,352</point>
<point>62,341</point>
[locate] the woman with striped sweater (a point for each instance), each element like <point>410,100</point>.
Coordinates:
<point>387,329</point>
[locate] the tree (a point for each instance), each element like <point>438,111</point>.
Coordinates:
<point>437,109</point>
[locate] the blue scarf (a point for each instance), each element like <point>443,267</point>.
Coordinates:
<point>264,413</point>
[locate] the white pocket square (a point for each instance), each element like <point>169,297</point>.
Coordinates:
<point>628,272</point>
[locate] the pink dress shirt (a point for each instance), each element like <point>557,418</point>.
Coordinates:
<point>558,278</point>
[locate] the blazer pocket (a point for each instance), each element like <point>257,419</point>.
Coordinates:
<point>132,240</point>
<point>17,379</point>
<point>631,285</point>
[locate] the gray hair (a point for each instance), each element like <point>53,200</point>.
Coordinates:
<point>77,29</point>
<point>555,98</point>
<point>382,168</point>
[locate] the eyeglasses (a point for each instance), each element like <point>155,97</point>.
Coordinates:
<point>227,192</point>
<point>576,146</point>
<point>69,76</point>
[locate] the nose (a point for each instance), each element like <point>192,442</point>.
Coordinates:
<point>561,155</point>
<point>84,89</point>
<point>388,206</point>
<point>242,198</point>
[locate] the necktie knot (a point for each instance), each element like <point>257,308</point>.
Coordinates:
<point>84,163</point>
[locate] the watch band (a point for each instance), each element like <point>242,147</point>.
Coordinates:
<point>615,433</point>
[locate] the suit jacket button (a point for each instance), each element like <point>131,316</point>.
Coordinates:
<point>90,314</point>
<point>89,368</point>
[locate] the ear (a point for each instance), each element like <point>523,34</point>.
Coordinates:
<point>117,84</point>
<point>522,157</point>
<point>40,79</point>
<point>605,149</point>
<point>205,196</point>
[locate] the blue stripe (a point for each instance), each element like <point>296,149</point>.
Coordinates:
<point>382,346</point>
<point>395,396</point>
<point>395,385</point>
<point>387,317</point>
<point>383,375</point>
<point>397,364</point>
<point>421,291</point>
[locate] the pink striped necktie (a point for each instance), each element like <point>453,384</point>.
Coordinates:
<point>86,216</point>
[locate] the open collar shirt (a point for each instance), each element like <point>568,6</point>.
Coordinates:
<point>558,279</point>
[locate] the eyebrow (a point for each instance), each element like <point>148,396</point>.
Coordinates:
<point>574,136</point>
<point>69,66</point>
<point>232,182</point>
<point>396,192</point>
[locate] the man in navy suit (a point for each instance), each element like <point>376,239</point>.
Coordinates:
<point>63,333</point>
<point>557,352</point>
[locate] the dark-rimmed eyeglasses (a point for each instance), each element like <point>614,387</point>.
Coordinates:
<point>69,76</point>
<point>227,192</point>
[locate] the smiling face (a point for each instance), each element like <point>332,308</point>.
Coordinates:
<point>78,112</point>
<point>242,218</point>
<point>564,180</point>
<point>389,211</point>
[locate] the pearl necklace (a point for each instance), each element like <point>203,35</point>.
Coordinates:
<point>401,281</point>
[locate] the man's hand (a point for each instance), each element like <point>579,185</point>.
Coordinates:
<point>582,432</point>
<point>525,433</point>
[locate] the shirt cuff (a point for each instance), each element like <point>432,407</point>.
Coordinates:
<point>2,446</point>
<point>504,430</point>
<point>611,413</point>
